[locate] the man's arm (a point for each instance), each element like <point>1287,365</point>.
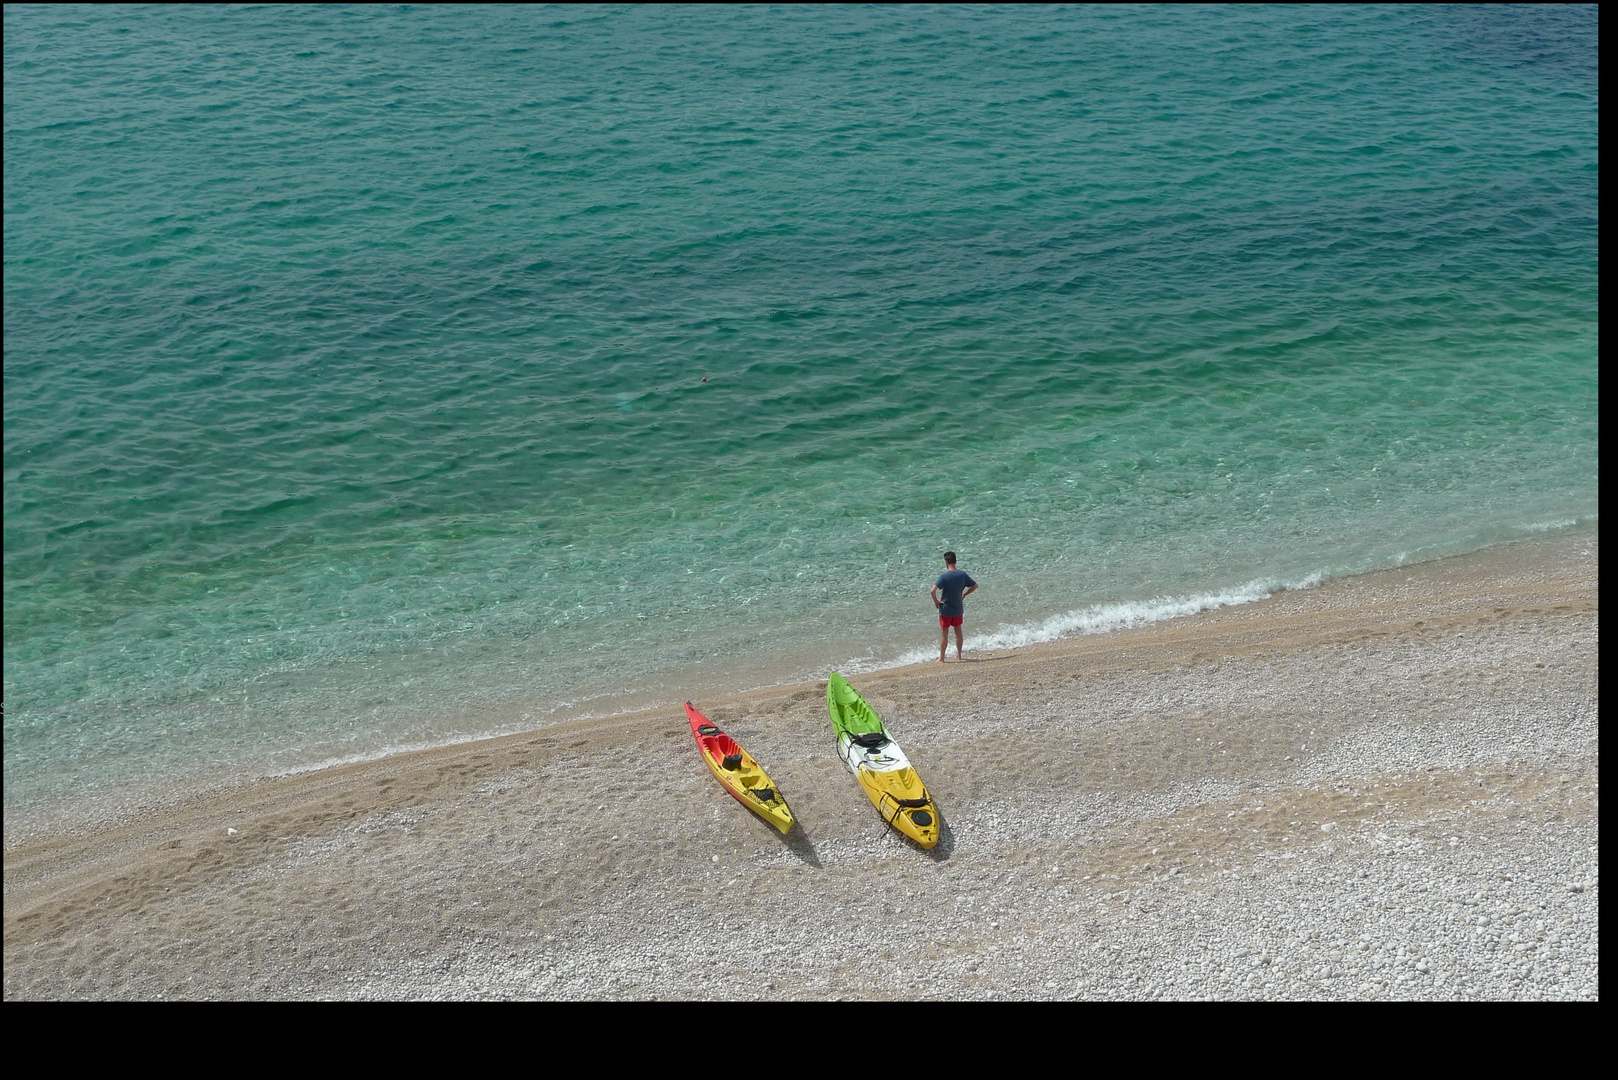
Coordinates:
<point>970,589</point>
<point>933,592</point>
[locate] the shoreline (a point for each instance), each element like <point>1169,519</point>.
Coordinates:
<point>132,801</point>
<point>1389,682</point>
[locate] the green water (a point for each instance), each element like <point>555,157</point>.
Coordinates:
<point>354,358</point>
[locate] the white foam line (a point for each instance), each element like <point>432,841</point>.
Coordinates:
<point>1101,619</point>
<point>367,755</point>
<point>1547,526</point>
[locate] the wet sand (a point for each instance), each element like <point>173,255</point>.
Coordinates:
<point>1384,787</point>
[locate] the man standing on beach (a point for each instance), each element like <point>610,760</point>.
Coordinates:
<point>949,595</point>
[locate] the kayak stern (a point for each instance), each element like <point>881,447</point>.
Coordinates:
<point>904,803</point>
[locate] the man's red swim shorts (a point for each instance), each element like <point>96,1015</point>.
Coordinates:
<point>950,620</point>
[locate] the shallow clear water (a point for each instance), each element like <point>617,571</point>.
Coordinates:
<point>354,360</point>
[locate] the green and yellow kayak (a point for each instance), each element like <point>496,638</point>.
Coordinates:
<point>881,767</point>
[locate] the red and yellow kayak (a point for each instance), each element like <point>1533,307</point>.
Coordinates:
<point>738,772</point>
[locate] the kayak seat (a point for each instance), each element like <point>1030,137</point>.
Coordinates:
<point>732,762</point>
<point>871,740</point>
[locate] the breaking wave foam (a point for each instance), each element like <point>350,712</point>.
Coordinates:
<point>1123,615</point>
<point>1101,618</point>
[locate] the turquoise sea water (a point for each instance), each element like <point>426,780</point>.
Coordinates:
<point>355,359</point>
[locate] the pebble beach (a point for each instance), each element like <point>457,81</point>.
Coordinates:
<point>1386,787</point>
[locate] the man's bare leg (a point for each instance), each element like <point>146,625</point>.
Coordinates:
<point>958,642</point>
<point>943,642</point>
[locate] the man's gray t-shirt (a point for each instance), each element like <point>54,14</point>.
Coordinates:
<point>952,583</point>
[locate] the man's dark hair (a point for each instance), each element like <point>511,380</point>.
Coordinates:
<point>949,557</point>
